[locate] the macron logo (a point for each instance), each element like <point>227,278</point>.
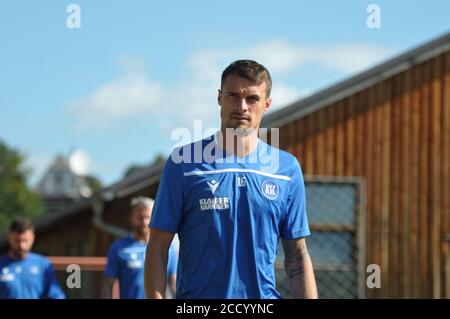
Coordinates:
<point>212,185</point>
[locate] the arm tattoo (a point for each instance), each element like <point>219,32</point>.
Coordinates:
<point>293,250</point>
<point>296,271</point>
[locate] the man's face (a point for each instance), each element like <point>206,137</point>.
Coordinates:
<point>140,218</point>
<point>20,243</point>
<point>243,103</point>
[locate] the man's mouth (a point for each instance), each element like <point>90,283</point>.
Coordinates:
<point>239,117</point>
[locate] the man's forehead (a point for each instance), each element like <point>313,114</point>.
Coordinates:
<point>238,84</point>
<point>26,233</point>
<point>142,209</point>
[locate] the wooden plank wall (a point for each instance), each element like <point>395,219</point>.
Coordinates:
<point>397,135</point>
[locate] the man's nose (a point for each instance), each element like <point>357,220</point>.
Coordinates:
<point>243,106</point>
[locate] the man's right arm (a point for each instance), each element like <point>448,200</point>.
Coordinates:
<point>111,273</point>
<point>299,269</point>
<point>107,287</point>
<point>155,273</point>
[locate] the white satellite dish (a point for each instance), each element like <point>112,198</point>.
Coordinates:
<point>79,162</point>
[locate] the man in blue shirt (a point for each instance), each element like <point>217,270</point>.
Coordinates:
<point>126,256</point>
<point>23,274</point>
<point>230,197</point>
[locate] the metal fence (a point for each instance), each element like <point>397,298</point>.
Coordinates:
<point>336,216</point>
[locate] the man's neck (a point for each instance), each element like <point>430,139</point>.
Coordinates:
<point>143,238</point>
<point>237,143</point>
<point>14,256</point>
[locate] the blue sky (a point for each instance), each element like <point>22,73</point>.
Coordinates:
<point>136,70</point>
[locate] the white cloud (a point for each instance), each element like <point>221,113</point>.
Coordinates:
<point>348,58</point>
<point>277,55</point>
<point>129,96</point>
<point>280,56</point>
<point>193,97</point>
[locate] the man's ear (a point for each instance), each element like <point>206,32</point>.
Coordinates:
<point>268,104</point>
<point>219,97</point>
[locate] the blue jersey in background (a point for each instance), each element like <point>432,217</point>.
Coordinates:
<point>29,278</point>
<point>126,263</point>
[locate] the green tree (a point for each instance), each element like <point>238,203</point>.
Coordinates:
<point>94,183</point>
<point>133,169</point>
<point>16,199</point>
<point>136,168</point>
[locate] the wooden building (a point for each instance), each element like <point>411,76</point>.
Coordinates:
<point>388,127</point>
<point>391,126</point>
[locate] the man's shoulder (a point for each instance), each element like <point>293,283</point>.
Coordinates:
<point>289,160</point>
<point>121,242</point>
<point>196,152</point>
<point>195,145</point>
<point>284,155</point>
<point>4,259</point>
<point>278,157</point>
<point>34,257</point>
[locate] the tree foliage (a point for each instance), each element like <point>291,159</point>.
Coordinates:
<point>94,183</point>
<point>16,198</point>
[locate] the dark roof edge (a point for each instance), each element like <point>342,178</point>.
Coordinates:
<point>133,183</point>
<point>358,82</point>
<point>119,189</point>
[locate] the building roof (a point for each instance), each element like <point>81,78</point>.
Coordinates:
<point>357,83</point>
<point>125,187</point>
<point>61,182</point>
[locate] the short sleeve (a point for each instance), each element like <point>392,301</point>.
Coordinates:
<point>53,288</point>
<point>112,264</point>
<point>295,221</point>
<point>168,206</point>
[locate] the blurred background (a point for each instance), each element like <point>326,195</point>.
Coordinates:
<point>91,92</point>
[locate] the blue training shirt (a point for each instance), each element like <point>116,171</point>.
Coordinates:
<point>126,263</point>
<point>29,278</point>
<point>229,214</point>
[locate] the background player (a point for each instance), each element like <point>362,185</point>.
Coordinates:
<point>23,274</point>
<point>126,256</point>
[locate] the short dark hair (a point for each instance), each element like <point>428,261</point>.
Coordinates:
<point>251,70</point>
<point>21,225</point>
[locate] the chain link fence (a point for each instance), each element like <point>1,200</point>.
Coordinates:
<point>336,245</point>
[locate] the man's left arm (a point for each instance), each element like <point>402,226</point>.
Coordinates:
<point>299,269</point>
<point>53,288</point>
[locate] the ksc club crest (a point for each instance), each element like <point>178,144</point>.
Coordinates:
<point>270,190</point>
